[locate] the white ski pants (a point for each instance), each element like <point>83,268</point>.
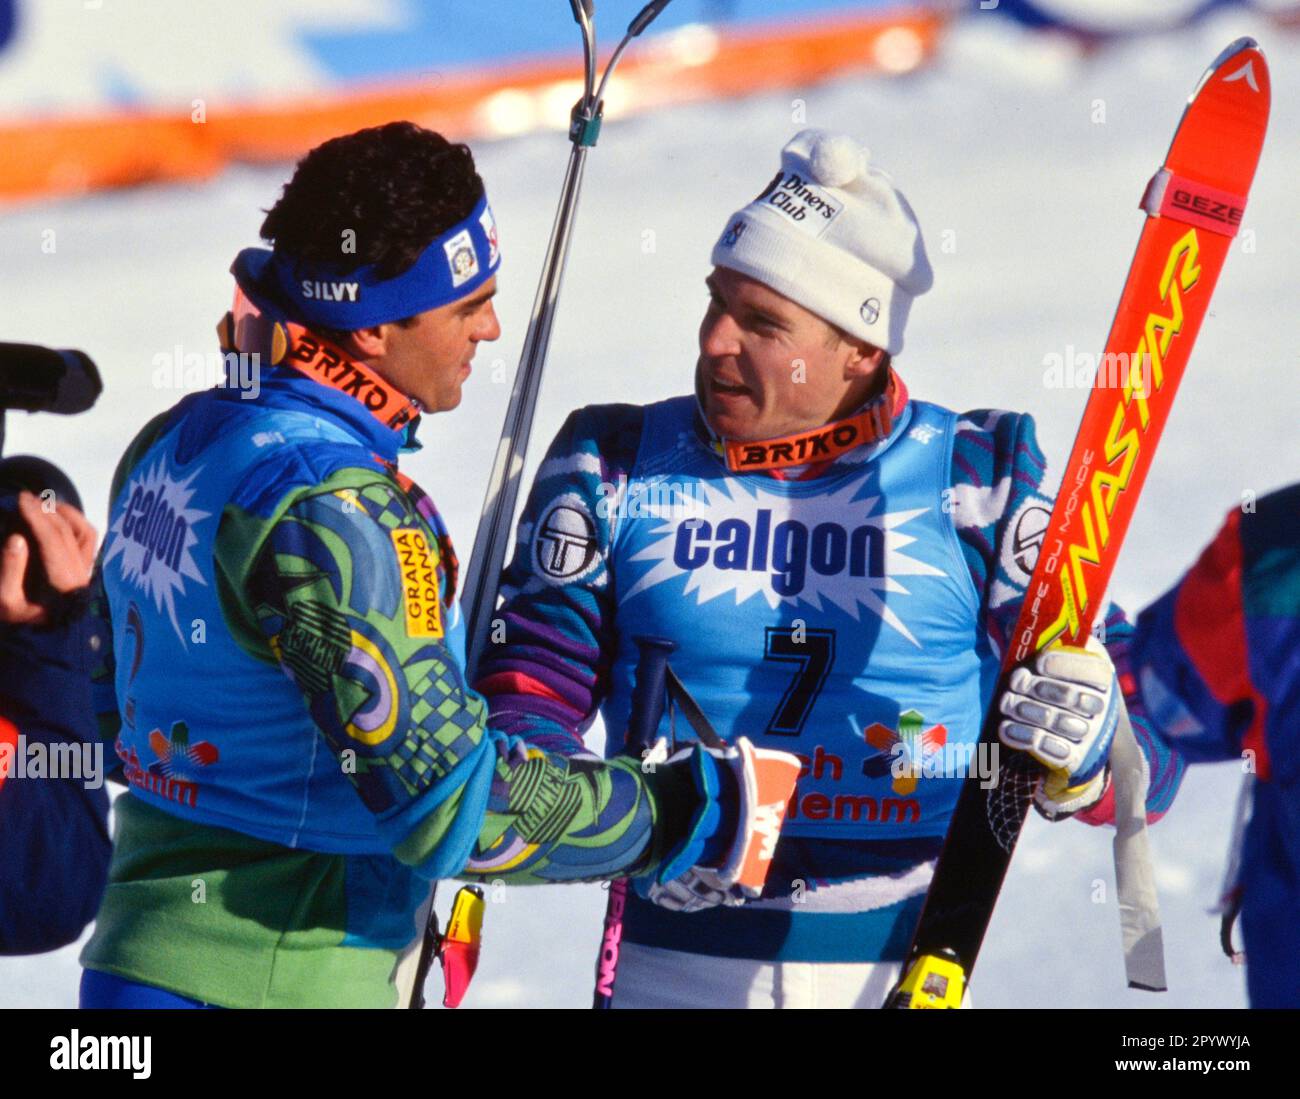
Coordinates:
<point>652,978</point>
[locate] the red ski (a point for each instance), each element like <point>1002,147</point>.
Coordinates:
<point>1194,206</point>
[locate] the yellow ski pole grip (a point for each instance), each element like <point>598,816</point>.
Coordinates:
<point>458,952</point>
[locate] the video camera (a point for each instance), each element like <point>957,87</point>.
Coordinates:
<point>39,379</point>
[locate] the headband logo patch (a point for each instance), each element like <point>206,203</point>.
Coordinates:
<point>319,290</point>
<point>490,231</point>
<point>870,311</point>
<point>461,258</point>
<point>732,235</point>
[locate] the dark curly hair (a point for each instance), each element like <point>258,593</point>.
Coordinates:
<point>395,187</point>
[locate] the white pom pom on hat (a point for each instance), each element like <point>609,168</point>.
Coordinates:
<point>836,159</point>
<point>835,235</point>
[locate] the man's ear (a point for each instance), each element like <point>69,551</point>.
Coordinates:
<point>864,359</point>
<point>368,343</point>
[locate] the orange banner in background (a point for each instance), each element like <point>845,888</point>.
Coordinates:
<point>63,156</point>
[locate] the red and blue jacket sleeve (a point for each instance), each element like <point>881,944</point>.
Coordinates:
<point>1218,655</point>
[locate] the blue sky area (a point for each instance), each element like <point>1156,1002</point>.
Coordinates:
<point>462,33</point>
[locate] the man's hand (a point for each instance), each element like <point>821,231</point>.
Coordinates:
<point>1063,709</point>
<point>65,541</point>
<point>726,854</point>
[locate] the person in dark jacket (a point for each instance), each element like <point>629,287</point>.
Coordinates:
<point>53,805</point>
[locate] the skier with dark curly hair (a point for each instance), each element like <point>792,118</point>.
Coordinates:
<point>284,687</point>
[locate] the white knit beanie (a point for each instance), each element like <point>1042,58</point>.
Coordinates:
<point>833,234</point>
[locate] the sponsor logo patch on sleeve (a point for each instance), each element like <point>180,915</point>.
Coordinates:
<point>565,548</point>
<point>421,596</point>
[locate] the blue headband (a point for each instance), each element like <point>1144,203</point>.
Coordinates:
<point>455,265</point>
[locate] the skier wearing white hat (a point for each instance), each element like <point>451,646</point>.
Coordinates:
<point>838,565</point>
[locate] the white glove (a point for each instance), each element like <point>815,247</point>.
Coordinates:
<point>763,782</point>
<point>1063,709</point>
<point>694,891</point>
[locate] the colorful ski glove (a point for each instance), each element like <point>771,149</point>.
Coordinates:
<point>1063,709</point>
<point>725,856</point>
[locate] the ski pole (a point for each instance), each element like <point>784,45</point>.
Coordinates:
<point>483,575</point>
<point>649,694</point>
<point>493,534</point>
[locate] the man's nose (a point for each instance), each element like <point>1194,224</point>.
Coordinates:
<point>719,335</point>
<point>489,327</point>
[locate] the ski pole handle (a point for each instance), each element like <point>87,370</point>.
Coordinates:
<point>648,693</point>
<point>645,17</point>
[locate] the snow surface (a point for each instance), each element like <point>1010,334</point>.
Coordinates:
<point>1029,209</point>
